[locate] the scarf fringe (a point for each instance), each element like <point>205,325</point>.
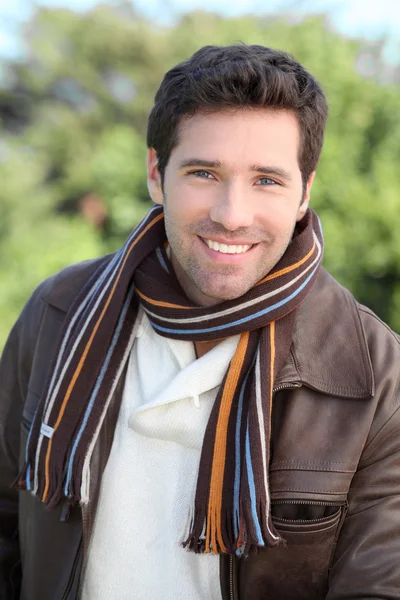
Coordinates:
<point>242,544</point>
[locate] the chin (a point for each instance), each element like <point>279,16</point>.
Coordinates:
<point>223,294</point>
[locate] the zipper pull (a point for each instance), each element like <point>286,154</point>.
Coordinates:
<point>287,386</point>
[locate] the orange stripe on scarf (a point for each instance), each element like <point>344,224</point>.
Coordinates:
<point>287,269</point>
<point>272,372</point>
<point>159,303</point>
<point>272,377</point>
<point>218,465</point>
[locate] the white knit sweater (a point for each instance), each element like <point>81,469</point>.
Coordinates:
<point>149,482</point>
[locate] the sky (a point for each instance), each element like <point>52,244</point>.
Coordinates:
<point>366,18</point>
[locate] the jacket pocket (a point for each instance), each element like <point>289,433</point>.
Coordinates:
<point>299,569</point>
<point>303,516</point>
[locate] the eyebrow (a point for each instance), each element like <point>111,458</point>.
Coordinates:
<point>200,162</point>
<point>216,164</point>
<point>270,170</point>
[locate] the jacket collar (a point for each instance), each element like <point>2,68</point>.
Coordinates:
<point>329,351</point>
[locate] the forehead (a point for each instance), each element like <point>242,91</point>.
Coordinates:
<point>239,136</point>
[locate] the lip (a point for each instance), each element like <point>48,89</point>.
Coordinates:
<point>226,259</point>
<point>221,240</point>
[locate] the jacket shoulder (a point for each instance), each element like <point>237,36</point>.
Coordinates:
<point>338,344</point>
<point>36,323</point>
<point>384,351</point>
<point>58,290</point>
<point>374,325</point>
<point>61,288</point>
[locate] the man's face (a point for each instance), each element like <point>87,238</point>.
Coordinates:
<point>232,195</point>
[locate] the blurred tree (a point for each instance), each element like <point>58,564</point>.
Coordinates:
<point>72,152</point>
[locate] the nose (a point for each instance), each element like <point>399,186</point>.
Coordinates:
<point>231,209</point>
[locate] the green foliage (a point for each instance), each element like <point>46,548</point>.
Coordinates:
<point>73,120</point>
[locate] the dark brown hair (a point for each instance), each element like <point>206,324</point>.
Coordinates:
<point>239,76</point>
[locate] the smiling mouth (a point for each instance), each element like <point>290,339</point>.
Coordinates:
<point>227,248</point>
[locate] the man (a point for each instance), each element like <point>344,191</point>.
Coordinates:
<point>206,413</point>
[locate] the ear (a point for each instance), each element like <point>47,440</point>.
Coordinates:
<point>306,198</point>
<point>154,178</point>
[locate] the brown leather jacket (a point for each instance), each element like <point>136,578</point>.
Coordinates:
<point>334,472</point>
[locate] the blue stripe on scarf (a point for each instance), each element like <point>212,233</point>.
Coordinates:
<point>236,488</point>
<point>98,384</point>
<point>239,321</point>
<point>84,310</point>
<point>28,478</point>
<point>252,489</point>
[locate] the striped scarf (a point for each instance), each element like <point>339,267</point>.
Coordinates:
<point>231,511</point>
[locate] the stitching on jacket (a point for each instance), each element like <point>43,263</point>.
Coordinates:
<point>348,467</point>
<point>337,388</point>
<point>333,388</point>
<point>329,492</point>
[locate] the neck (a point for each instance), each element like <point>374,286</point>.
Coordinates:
<point>204,347</point>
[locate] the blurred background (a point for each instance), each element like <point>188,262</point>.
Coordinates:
<point>77,81</point>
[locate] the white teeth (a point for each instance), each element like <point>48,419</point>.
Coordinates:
<point>225,249</point>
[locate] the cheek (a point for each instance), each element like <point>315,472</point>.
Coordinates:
<point>187,204</point>
<point>277,216</point>
<point>179,216</point>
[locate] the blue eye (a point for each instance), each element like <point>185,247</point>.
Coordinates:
<point>201,174</point>
<point>266,181</point>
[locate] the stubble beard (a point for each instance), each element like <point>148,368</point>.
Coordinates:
<point>210,283</point>
<point>223,282</point>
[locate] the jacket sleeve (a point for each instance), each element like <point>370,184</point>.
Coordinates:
<point>367,558</point>
<point>15,367</point>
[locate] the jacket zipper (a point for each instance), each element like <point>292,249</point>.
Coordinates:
<point>286,386</point>
<point>231,590</point>
<point>73,572</point>
<point>312,503</point>
<point>338,530</point>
